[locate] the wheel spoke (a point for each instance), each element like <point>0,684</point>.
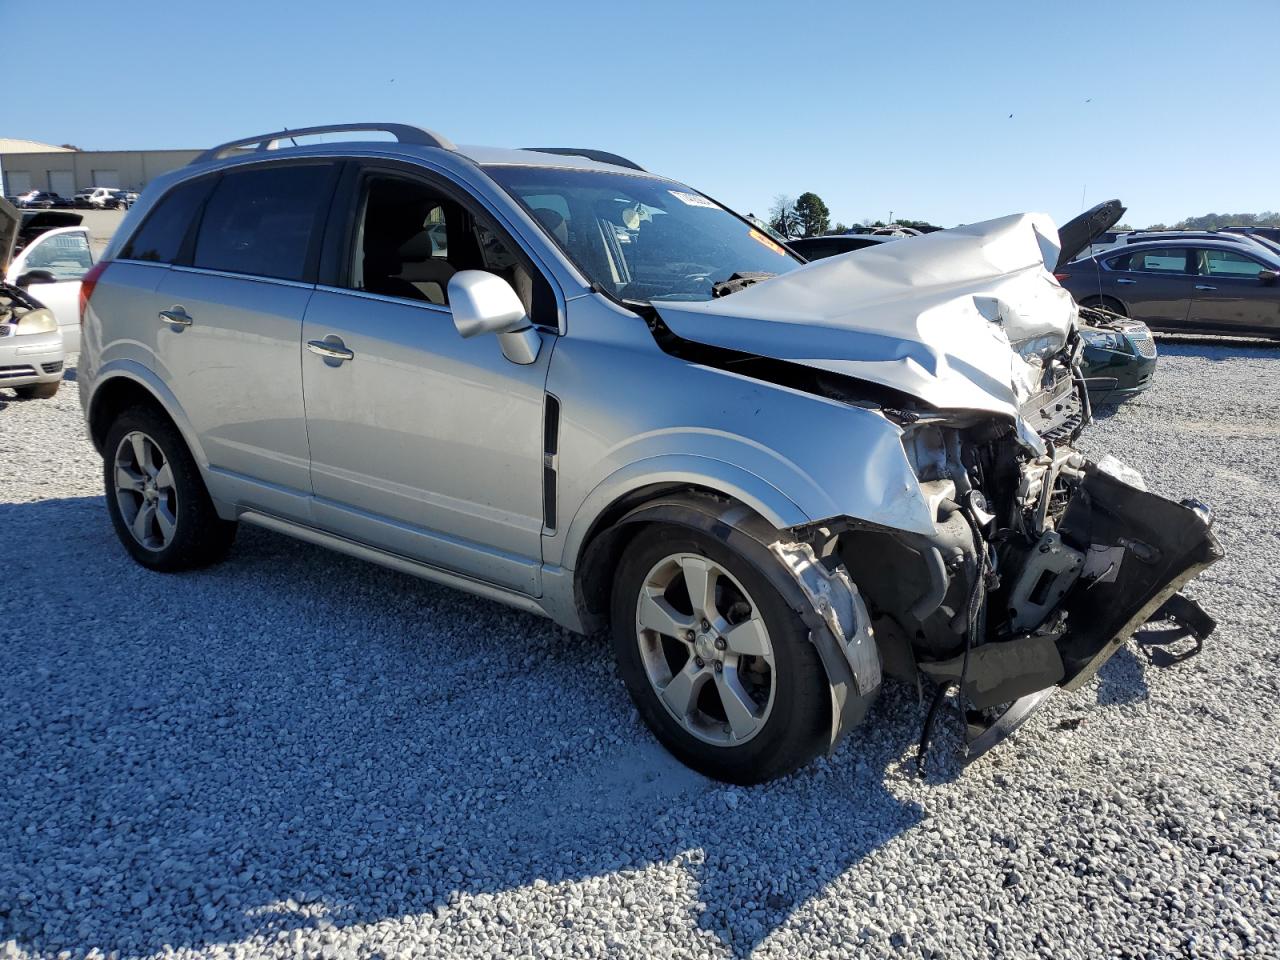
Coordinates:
<point>658,615</point>
<point>164,477</point>
<point>749,639</point>
<point>127,479</point>
<point>681,694</point>
<point>166,521</point>
<point>142,521</point>
<point>700,580</point>
<point>142,454</point>
<point>739,708</point>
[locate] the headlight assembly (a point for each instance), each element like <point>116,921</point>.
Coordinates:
<point>37,321</point>
<point>1104,339</point>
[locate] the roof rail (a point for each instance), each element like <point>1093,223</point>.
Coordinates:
<point>600,156</point>
<point>403,132</point>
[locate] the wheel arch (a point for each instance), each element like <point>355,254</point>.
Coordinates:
<point>850,659</point>
<point>124,387</point>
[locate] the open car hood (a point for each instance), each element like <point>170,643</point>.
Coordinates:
<point>961,319</point>
<point>1076,234</point>
<point>10,224</point>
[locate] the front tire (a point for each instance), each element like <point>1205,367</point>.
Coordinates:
<point>717,663</point>
<point>156,497</point>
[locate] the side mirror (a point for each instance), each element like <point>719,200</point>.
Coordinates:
<point>483,302</point>
<point>35,276</point>
<point>1268,276</point>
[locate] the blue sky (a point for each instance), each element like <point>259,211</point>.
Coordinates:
<point>877,107</point>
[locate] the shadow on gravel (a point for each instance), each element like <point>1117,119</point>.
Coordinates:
<point>295,740</point>
<point>1122,679</point>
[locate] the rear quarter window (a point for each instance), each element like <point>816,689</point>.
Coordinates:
<point>160,237</point>
<point>263,221</point>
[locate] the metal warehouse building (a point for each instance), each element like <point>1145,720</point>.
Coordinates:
<point>28,165</point>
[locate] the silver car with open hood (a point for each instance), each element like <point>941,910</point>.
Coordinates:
<point>554,379</point>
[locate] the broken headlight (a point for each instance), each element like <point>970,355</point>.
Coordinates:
<point>1104,339</point>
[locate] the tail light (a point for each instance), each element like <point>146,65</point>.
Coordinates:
<point>87,283</point>
<point>1061,276</point>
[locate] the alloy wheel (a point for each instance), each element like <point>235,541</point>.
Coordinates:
<point>705,649</point>
<point>145,492</point>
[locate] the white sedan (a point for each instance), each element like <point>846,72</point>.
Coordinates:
<point>49,269</point>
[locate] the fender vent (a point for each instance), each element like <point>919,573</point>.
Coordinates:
<point>550,449</point>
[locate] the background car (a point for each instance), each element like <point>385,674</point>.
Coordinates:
<point>106,198</point>
<point>49,268</point>
<point>1183,286</point>
<point>1119,357</point>
<point>31,348</point>
<point>81,198</point>
<point>43,200</point>
<point>815,248</point>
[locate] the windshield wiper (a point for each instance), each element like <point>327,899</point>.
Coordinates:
<point>739,281</point>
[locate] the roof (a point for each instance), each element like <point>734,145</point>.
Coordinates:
<point>10,145</point>
<point>410,139</point>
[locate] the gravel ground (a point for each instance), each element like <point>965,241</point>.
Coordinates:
<point>297,754</point>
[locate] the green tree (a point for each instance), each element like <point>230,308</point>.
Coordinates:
<point>813,213</point>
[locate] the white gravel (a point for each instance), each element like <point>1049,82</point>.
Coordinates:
<point>296,754</point>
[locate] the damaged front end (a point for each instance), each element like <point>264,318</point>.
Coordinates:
<point>1039,568</point>
<point>1035,564</point>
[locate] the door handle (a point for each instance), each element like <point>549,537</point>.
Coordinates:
<point>177,317</point>
<point>333,349</point>
<point>1125,280</point>
<point>1204,286</point>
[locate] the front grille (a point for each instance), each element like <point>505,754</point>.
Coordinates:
<point>1145,346</point>
<point>51,367</point>
<point>9,373</point>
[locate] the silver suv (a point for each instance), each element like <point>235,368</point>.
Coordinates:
<point>553,379</point>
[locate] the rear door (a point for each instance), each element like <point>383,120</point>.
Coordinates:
<point>1156,285</point>
<point>64,254</point>
<point>229,328</point>
<point>1230,297</point>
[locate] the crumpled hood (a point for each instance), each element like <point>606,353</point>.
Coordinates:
<point>940,316</point>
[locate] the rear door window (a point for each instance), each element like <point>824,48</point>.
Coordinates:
<point>265,221</point>
<point>160,237</point>
<point>1168,261</point>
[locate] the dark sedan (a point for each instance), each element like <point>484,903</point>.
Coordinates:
<point>816,248</point>
<point>1184,286</point>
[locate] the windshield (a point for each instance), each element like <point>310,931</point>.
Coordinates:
<point>642,238</point>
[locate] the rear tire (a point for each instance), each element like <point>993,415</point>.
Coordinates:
<point>750,715</point>
<point>38,391</point>
<point>1106,303</point>
<point>156,497</point>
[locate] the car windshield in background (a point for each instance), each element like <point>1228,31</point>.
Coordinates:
<point>643,238</point>
<point>67,256</point>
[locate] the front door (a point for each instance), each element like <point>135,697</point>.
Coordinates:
<point>1155,285</point>
<point>423,443</point>
<point>1230,297</point>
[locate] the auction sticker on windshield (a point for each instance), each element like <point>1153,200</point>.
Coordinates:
<point>760,238</point>
<point>692,199</point>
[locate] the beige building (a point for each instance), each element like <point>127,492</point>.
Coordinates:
<point>27,165</point>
